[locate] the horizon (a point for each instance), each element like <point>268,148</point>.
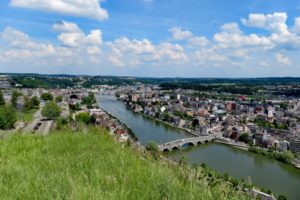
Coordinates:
<point>151,77</point>
<point>151,38</point>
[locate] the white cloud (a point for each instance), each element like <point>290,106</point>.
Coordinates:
<point>296,28</point>
<point>72,36</point>
<point>198,41</point>
<point>66,27</point>
<point>281,59</point>
<point>232,37</point>
<point>231,28</point>
<point>229,50</point>
<point>135,52</point>
<point>80,8</point>
<point>275,23</point>
<point>22,46</point>
<point>179,34</point>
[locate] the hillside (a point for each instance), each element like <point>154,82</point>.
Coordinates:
<point>68,165</point>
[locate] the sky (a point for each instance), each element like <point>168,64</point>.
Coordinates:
<point>151,38</point>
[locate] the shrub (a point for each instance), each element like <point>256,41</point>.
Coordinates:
<point>51,110</point>
<point>83,117</point>
<point>8,117</point>
<point>47,97</point>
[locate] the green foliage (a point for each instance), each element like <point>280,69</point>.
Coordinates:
<point>2,102</point>
<point>58,99</point>
<point>40,81</point>
<point>152,147</point>
<point>31,104</point>
<point>244,137</point>
<point>14,97</point>
<point>26,115</point>
<point>284,105</point>
<point>83,117</point>
<point>47,97</point>
<point>267,124</point>
<point>35,102</point>
<point>281,197</point>
<point>183,160</point>
<point>68,165</point>
<point>74,107</point>
<point>51,110</point>
<point>286,156</point>
<point>89,100</point>
<point>61,122</point>
<point>8,117</point>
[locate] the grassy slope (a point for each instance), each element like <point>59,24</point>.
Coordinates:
<point>26,116</point>
<point>93,166</point>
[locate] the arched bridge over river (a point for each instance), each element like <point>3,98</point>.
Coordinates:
<point>178,144</point>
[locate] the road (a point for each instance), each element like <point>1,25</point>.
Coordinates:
<point>36,118</point>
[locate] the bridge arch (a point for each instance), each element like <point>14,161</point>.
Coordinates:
<point>206,141</point>
<point>199,142</point>
<point>175,148</point>
<point>166,150</point>
<point>188,144</point>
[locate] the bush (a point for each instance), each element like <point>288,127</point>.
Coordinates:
<point>31,103</point>
<point>8,117</point>
<point>14,97</point>
<point>47,97</point>
<point>51,110</point>
<point>83,117</point>
<point>58,99</point>
<point>2,102</point>
<point>244,138</point>
<point>153,148</point>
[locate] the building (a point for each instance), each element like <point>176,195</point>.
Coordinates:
<point>295,145</point>
<point>270,112</point>
<point>231,106</point>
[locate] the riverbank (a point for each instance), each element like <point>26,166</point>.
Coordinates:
<point>240,164</point>
<point>221,140</point>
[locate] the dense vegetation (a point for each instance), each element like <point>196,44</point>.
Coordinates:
<point>70,165</point>
<point>43,81</point>
<point>8,117</point>
<point>286,156</point>
<point>51,110</point>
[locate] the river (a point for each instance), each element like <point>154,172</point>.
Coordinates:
<point>266,173</point>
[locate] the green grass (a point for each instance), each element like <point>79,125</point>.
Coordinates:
<point>66,165</point>
<point>26,116</point>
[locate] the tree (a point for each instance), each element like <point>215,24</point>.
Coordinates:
<point>58,99</point>
<point>244,137</point>
<point>8,117</point>
<point>153,148</point>
<point>51,110</point>
<point>35,102</point>
<point>14,97</point>
<point>2,101</point>
<point>47,97</point>
<point>27,103</point>
<point>31,103</point>
<point>195,123</point>
<point>83,117</point>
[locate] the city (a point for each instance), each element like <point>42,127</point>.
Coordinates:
<point>149,99</point>
<point>266,124</point>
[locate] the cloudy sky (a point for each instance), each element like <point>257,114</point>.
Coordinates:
<point>158,38</point>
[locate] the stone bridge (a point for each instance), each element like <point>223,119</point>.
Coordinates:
<point>193,141</point>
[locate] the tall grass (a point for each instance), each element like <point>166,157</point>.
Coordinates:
<point>68,165</point>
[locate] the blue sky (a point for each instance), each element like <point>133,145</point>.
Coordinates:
<point>188,38</point>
